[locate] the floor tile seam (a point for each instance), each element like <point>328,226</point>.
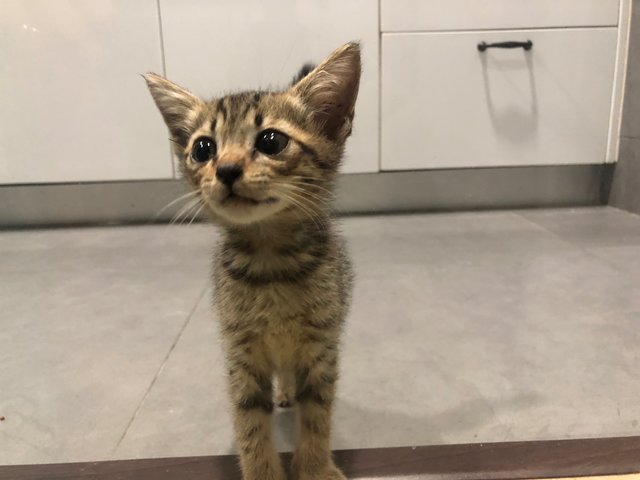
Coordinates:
<point>636,215</point>
<point>581,248</point>
<point>542,228</point>
<point>591,251</point>
<point>161,367</point>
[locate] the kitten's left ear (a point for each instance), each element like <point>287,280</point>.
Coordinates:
<point>178,106</point>
<point>331,90</point>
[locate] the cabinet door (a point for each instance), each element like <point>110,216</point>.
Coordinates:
<point>432,15</point>
<point>230,45</point>
<point>73,105</point>
<point>446,105</point>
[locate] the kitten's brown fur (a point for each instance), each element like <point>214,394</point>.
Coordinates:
<point>282,276</point>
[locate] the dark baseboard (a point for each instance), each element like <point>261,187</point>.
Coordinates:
<point>426,190</point>
<point>512,460</point>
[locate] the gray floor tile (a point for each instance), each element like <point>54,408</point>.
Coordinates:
<point>428,237</point>
<point>467,327</point>
<point>87,317</point>
<point>590,227</point>
<point>464,327</point>
<point>186,412</point>
<point>514,343</point>
<point>625,259</point>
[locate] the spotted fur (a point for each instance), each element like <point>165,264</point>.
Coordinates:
<point>282,276</point>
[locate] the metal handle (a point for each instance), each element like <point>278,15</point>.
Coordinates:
<point>482,46</point>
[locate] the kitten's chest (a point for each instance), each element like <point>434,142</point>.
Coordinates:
<point>278,315</point>
<point>275,304</point>
<point>272,288</point>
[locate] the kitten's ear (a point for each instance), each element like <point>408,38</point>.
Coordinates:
<point>331,90</point>
<point>178,107</point>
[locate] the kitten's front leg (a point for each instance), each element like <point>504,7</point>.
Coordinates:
<point>251,391</point>
<point>315,393</point>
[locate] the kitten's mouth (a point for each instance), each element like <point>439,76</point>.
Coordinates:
<point>233,199</point>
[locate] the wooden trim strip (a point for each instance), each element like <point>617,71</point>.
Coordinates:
<point>489,461</point>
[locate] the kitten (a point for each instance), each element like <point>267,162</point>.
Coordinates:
<point>264,164</point>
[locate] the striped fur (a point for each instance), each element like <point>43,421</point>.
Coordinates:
<point>282,275</point>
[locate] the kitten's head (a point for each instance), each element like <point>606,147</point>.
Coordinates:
<point>257,155</point>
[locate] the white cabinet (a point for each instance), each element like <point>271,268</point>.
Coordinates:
<point>447,105</point>
<point>433,15</point>
<point>212,47</point>
<point>73,107</point>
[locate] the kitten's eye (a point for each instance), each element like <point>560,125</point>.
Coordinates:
<point>271,142</point>
<point>204,149</point>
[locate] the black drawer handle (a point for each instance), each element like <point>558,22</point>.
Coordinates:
<point>482,46</point>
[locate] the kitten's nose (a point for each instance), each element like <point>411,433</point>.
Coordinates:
<point>228,173</point>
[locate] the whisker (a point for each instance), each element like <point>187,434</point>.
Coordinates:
<point>310,180</point>
<point>286,195</point>
<point>196,214</point>
<point>173,202</point>
<point>188,213</point>
<point>308,208</point>
<point>323,197</point>
<point>185,210</point>
<point>299,181</point>
<point>302,208</point>
<point>304,186</point>
<point>311,198</point>
<point>305,193</point>
<point>316,196</point>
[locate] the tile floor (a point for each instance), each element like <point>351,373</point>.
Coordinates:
<point>465,327</point>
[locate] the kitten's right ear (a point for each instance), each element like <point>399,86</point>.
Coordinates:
<point>331,90</point>
<point>178,106</point>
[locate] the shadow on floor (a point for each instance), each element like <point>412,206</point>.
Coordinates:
<point>355,425</point>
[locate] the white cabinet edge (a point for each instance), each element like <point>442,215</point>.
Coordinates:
<point>465,15</point>
<point>619,79</point>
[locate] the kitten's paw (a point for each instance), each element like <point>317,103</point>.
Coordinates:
<point>330,473</point>
<point>334,474</point>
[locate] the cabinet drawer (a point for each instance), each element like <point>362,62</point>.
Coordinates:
<point>445,104</point>
<point>431,15</point>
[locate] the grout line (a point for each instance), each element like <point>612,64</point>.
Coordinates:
<point>604,259</point>
<point>586,250</point>
<point>162,365</point>
<point>559,237</point>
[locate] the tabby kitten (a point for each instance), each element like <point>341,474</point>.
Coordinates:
<point>264,164</point>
